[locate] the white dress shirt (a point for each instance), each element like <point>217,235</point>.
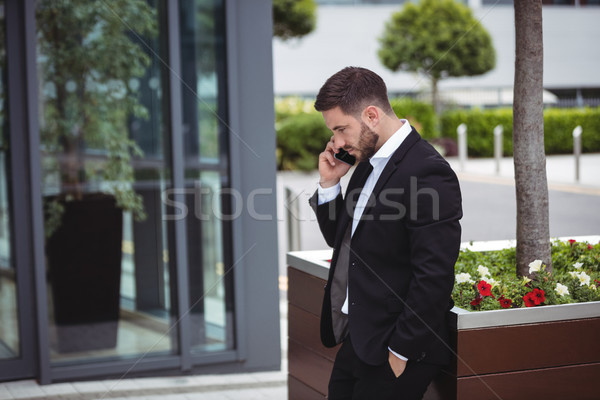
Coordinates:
<point>378,161</point>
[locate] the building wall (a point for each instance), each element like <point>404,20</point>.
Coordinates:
<point>347,35</point>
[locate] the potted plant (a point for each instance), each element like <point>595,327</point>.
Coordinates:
<point>90,58</point>
<point>523,336</point>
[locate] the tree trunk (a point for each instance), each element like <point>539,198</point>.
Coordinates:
<point>533,233</point>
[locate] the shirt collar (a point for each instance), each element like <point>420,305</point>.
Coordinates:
<point>392,144</point>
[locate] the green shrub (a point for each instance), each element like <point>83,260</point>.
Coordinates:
<point>300,140</point>
<point>420,115</point>
<point>559,124</point>
<point>480,129</point>
<point>558,129</point>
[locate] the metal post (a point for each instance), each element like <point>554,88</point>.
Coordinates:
<point>577,149</point>
<point>293,224</point>
<point>498,150</point>
<point>461,130</point>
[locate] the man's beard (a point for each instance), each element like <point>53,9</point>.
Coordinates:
<point>367,142</point>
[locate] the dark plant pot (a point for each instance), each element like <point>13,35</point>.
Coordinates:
<point>84,267</point>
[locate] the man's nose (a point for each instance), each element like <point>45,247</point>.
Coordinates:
<point>339,143</point>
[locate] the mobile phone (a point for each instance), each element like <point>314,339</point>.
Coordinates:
<point>345,157</point>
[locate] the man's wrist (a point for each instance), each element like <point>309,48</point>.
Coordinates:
<point>328,183</point>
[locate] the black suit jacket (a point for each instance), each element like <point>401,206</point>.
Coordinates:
<point>402,255</point>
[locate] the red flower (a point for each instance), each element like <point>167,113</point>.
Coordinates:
<point>572,241</point>
<point>597,282</point>
<point>477,300</point>
<point>539,296</point>
<point>504,302</point>
<point>528,300</point>
<point>484,288</point>
<point>590,247</point>
<point>534,298</point>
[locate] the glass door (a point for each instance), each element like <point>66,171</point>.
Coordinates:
<point>104,156</point>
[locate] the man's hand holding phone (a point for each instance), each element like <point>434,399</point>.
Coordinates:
<point>331,168</point>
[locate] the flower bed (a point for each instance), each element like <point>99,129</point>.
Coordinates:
<point>486,280</point>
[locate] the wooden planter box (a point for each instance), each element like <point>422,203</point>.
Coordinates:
<point>549,352</point>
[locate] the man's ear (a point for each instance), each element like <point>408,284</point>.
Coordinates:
<point>370,116</point>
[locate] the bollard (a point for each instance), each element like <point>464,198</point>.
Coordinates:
<point>498,150</point>
<point>461,131</point>
<point>293,223</point>
<point>577,149</point>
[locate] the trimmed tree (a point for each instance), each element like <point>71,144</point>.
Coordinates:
<point>533,232</point>
<point>438,39</point>
<point>293,18</point>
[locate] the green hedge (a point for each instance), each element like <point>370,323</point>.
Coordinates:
<point>302,134</point>
<point>419,114</point>
<point>558,129</point>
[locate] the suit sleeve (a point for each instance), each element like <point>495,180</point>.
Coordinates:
<point>327,216</point>
<point>432,221</point>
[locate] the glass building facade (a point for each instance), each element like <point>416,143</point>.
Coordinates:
<point>132,134</point>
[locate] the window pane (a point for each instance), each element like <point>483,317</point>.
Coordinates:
<point>204,105</point>
<point>104,165</point>
<point>9,327</point>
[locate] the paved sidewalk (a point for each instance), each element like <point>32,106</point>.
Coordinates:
<point>250,386</point>
<point>560,170</point>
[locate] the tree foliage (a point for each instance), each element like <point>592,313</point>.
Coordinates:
<point>90,61</point>
<point>436,38</point>
<point>294,18</point>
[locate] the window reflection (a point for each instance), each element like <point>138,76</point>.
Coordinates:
<point>104,162</point>
<point>9,328</point>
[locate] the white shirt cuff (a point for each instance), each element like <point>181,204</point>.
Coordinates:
<point>397,355</point>
<point>328,194</point>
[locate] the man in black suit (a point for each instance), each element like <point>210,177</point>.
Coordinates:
<point>396,237</point>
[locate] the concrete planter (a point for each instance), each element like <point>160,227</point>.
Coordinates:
<point>548,352</point>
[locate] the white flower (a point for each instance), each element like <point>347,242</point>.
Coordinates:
<point>578,265</point>
<point>526,280</point>
<point>492,281</point>
<point>561,289</point>
<point>535,266</point>
<point>464,277</point>
<point>584,279</point>
<point>483,271</point>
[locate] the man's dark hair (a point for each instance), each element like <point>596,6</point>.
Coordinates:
<point>352,89</point>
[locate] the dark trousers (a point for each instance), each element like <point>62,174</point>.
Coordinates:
<point>352,379</point>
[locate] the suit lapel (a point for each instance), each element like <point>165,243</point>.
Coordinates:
<point>412,138</point>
